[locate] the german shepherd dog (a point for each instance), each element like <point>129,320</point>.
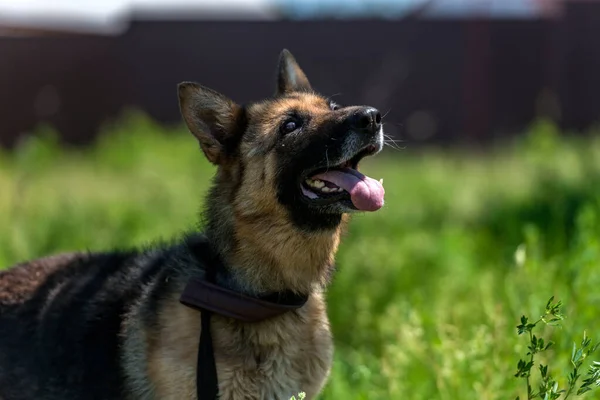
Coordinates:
<point>109,325</point>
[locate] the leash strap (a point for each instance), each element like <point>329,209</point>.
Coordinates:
<point>207,382</point>
<point>205,295</point>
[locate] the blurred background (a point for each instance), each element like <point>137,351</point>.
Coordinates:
<point>491,170</point>
<point>448,71</point>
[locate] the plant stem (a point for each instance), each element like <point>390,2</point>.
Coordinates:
<point>533,351</point>
<point>529,393</point>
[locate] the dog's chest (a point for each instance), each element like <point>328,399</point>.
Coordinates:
<point>270,360</point>
<point>274,361</point>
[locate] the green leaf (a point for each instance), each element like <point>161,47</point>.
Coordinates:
<point>578,355</point>
<point>540,344</point>
<point>543,370</point>
<point>583,390</point>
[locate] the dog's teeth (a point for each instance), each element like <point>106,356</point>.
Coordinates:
<point>381,181</point>
<point>325,189</point>
<point>316,183</point>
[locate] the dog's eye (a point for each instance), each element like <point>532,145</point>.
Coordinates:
<point>334,106</point>
<point>290,126</point>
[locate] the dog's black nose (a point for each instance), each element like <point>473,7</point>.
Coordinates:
<point>367,119</point>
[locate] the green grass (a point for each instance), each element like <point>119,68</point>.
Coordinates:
<point>430,289</point>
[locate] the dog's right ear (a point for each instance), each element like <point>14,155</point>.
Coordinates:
<point>290,76</point>
<point>210,116</point>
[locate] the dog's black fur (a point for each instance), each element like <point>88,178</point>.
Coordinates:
<point>63,341</point>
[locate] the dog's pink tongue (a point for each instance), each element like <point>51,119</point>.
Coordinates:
<point>366,193</point>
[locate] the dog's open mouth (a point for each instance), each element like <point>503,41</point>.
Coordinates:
<point>344,183</point>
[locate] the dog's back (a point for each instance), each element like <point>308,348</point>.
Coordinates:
<point>67,312</point>
<point>20,282</point>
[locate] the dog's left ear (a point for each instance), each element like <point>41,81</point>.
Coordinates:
<point>211,117</point>
<point>290,76</point>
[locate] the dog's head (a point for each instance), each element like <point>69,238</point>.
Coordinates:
<point>296,152</point>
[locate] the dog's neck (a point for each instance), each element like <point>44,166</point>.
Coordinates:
<point>266,253</point>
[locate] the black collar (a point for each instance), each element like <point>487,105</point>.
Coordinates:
<point>205,295</point>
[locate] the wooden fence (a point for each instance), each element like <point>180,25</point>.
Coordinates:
<point>440,81</point>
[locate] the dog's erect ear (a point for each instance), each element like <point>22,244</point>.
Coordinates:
<point>210,116</point>
<point>290,76</point>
